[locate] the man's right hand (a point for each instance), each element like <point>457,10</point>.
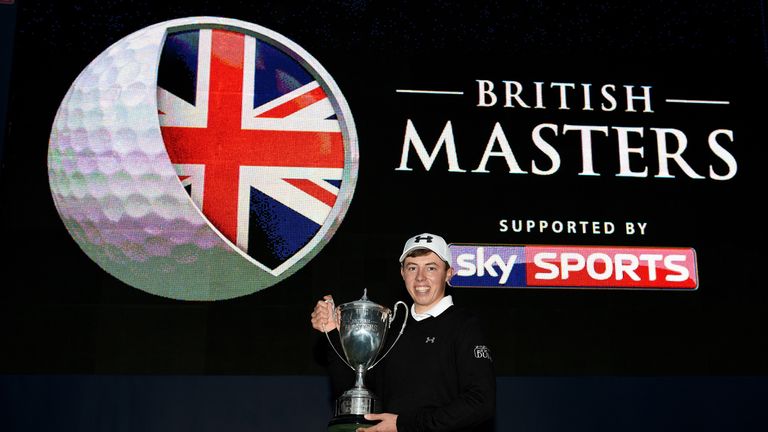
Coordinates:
<point>322,315</point>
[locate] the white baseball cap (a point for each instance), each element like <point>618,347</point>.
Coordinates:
<point>433,242</point>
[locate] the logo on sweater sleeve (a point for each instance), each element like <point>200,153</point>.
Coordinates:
<point>482,351</point>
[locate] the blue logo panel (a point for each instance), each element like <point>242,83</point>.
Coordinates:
<point>488,266</point>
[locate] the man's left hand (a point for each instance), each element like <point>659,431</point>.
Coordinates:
<point>388,423</point>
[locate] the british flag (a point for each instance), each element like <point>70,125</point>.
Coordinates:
<point>254,139</point>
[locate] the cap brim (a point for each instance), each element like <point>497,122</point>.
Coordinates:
<point>416,247</point>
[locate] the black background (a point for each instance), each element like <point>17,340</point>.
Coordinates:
<point>63,314</point>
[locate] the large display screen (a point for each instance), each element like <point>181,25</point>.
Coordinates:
<point>182,181</point>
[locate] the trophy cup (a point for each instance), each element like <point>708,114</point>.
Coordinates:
<point>362,326</point>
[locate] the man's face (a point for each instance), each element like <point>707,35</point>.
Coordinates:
<point>425,278</point>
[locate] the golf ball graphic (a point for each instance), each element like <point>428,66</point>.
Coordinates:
<point>203,159</point>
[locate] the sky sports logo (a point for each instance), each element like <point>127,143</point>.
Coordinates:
<point>596,267</point>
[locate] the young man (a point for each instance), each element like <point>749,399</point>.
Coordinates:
<point>440,375</point>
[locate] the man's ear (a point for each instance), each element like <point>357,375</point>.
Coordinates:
<point>448,274</point>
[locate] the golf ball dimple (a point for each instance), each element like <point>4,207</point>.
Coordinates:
<point>118,193</point>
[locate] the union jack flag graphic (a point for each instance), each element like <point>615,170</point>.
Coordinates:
<point>253,137</point>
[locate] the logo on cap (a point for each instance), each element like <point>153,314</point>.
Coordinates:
<point>428,241</point>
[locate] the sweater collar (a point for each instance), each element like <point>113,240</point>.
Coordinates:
<point>436,310</point>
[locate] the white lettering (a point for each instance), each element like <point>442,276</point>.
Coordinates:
<point>563,93</point>
<point>624,151</point>
<point>723,154</point>
<point>540,259</point>
<point>592,268</point>
<point>427,159</point>
<point>498,136</point>
<point>513,95</point>
<point>571,261</point>
<point>682,272</point>
<point>626,264</point>
<point>586,145</point>
<point>470,265</point>
<point>651,260</point>
<point>485,94</point>
<point>664,154</point>
<point>607,92</point>
<point>546,148</point>
<point>466,264</point>
<point>646,97</point>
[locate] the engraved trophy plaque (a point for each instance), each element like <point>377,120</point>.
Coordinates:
<point>362,326</point>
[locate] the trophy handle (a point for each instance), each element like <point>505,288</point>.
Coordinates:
<point>335,317</point>
<point>394,315</point>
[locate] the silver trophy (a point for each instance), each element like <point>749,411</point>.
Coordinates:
<point>363,327</point>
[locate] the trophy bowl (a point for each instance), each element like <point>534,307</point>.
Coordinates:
<point>363,327</point>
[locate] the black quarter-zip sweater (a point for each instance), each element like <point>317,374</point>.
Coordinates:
<point>439,376</point>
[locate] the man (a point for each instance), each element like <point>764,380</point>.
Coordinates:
<point>440,375</point>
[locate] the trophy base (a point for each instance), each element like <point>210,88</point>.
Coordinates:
<point>349,423</point>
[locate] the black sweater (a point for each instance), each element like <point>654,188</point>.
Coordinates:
<point>439,376</point>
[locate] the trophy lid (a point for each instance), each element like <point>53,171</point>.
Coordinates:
<point>362,303</point>
<point>364,298</point>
